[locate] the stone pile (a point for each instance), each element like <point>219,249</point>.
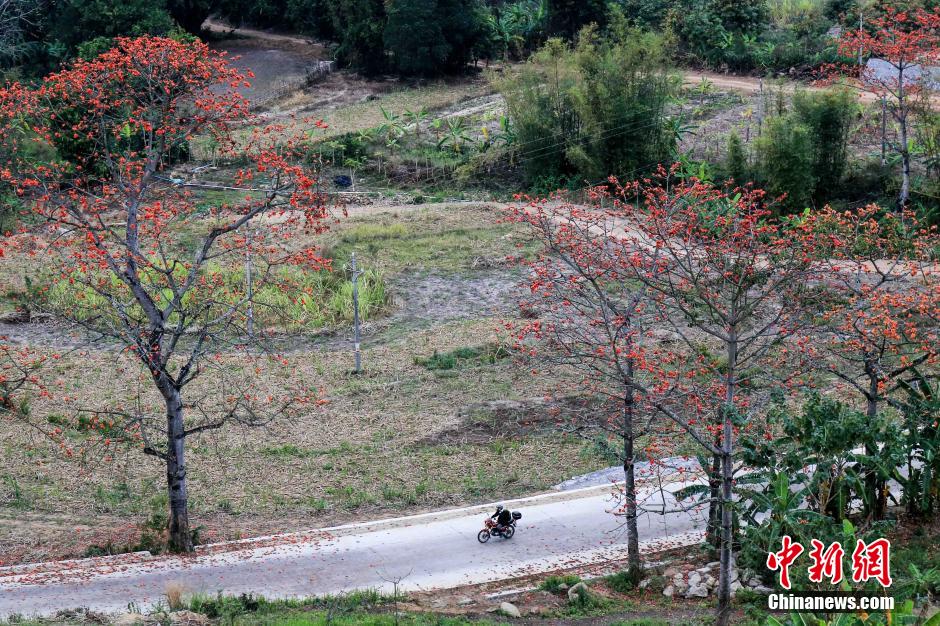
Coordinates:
<point>691,582</point>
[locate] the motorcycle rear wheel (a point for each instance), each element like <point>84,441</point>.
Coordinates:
<point>509,532</point>
<point>483,536</point>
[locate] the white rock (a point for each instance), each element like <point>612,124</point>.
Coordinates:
<point>669,591</point>
<point>711,581</point>
<point>736,587</point>
<point>464,601</point>
<point>713,564</point>
<point>703,570</point>
<point>694,579</point>
<point>188,617</point>
<point>644,583</point>
<point>510,609</point>
<point>697,591</point>
<point>577,590</point>
<point>762,590</point>
<point>128,619</point>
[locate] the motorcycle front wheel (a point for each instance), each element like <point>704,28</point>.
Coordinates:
<point>484,536</point>
<point>509,532</point>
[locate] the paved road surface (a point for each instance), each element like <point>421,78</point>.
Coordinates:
<point>436,550</point>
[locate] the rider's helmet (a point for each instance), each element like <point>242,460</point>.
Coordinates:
<point>499,507</point>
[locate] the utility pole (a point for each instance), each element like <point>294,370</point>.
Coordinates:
<point>249,287</point>
<point>355,295</point>
<point>884,131</point>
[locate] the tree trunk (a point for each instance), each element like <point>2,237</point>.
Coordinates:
<point>724,575</point>
<point>727,475</point>
<point>713,530</point>
<point>629,490</point>
<point>875,487</point>
<point>904,196</point>
<point>180,537</point>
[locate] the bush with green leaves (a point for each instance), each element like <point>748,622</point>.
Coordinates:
<point>811,480</point>
<point>518,28</point>
<point>598,109</point>
<point>786,162</point>
<point>803,151</point>
<point>736,166</point>
<point>754,34</point>
<point>920,415</point>
<point>557,584</point>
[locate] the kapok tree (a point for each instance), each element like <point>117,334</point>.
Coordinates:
<point>590,323</point>
<point>909,43</point>
<point>875,314</point>
<point>728,279</point>
<point>135,258</point>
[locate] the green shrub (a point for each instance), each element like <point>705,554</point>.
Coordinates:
<point>553,584</point>
<point>803,152</point>
<point>829,116</point>
<point>292,299</point>
<point>736,166</point>
<point>785,157</point>
<point>488,354</point>
<point>596,110</point>
<point>623,582</point>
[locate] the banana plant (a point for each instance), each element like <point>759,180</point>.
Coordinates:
<point>415,118</point>
<point>920,409</point>
<point>454,135</point>
<point>392,128</point>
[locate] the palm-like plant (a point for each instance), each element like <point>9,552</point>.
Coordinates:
<point>416,118</point>
<point>393,129</point>
<point>454,134</point>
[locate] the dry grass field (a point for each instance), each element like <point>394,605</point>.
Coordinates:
<point>406,435</point>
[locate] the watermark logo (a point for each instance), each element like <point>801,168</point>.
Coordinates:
<point>869,561</point>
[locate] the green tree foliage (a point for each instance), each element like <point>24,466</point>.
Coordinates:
<point>427,37</point>
<point>743,35</point>
<point>360,31</point>
<point>598,109</point>
<point>77,21</point>
<point>311,17</point>
<point>190,14</point>
<point>646,13</point>
<point>567,17</point>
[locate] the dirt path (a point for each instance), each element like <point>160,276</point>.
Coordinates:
<point>214,26</point>
<point>751,85</point>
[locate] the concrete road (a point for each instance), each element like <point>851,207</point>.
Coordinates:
<point>430,551</point>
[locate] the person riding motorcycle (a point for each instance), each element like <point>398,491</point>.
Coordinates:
<point>502,516</point>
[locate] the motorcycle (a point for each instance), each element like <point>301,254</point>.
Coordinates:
<point>491,528</point>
